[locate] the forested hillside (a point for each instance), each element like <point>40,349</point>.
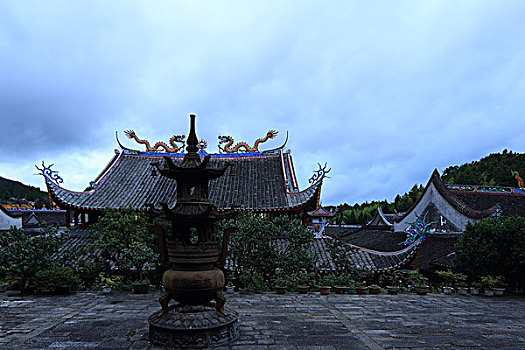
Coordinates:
<point>494,170</point>
<point>10,188</point>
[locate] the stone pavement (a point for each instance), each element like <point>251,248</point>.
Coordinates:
<point>90,320</point>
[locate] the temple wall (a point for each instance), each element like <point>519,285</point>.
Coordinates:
<point>432,196</point>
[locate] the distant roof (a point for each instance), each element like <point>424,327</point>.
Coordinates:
<point>255,182</point>
<point>38,217</point>
<point>381,219</point>
<point>321,212</point>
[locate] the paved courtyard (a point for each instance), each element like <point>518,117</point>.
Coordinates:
<point>90,320</point>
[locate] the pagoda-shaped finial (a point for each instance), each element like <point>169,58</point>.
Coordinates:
<point>192,141</point>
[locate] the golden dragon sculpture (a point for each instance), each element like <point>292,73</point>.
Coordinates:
<point>228,140</point>
<point>157,146</point>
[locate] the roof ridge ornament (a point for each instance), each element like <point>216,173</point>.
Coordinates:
<point>228,140</point>
<point>319,174</point>
<point>157,147</point>
<point>418,229</point>
<point>49,174</point>
<point>520,180</point>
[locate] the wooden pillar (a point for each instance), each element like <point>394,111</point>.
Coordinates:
<point>75,217</point>
<point>68,218</point>
<point>157,230</point>
<point>82,220</point>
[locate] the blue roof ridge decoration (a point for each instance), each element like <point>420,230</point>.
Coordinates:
<point>486,189</point>
<point>49,174</point>
<point>319,174</point>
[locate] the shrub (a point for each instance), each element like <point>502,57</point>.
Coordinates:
<point>415,278</point>
<point>494,246</point>
<point>451,278</point>
<point>55,277</point>
<point>254,246</point>
<point>23,255</point>
<point>490,281</point>
<point>124,243</point>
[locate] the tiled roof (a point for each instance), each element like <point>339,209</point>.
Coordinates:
<point>511,204</point>
<point>437,247</point>
<point>380,240</point>
<point>255,182</point>
<point>364,258</point>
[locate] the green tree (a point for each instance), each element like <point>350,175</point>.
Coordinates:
<point>492,246</point>
<point>23,255</point>
<point>261,245</point>
<point>252,246</point>
<point>124,243</point>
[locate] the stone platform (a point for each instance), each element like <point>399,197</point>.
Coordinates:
<point>90,320</point>
<point>193,327</point>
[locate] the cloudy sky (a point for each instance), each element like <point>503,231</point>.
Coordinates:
<point>383,91</point>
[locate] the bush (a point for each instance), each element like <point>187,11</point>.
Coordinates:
<point>124,243</point>
<point>490,281</point>
<point>55,277</point>
<point>23,255</point>
<point>254,246</point>
<point>494,246</point>
<point>451,278</point>
<point>251,246</point>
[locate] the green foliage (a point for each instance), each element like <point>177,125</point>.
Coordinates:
<point>327,280</point>
<point>493,170</point>
<point>450,277</point>
<point>306,278</point>
<point>490,281</point>
<point>253,246</point>
<point>246,280</point>
<point>124,243</point>
<point>493,246</point>
<point>285,280</point>
<point>415,278</point>
<point>340,253</point>
<point>359,214</point>
<point>23,255</point>
<point>391,278</point>
<point>298,255</point>
<point>258,281</point>
<point>57,276</point>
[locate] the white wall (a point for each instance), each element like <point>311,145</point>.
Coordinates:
<point>6,221</point>
<point>432,196</point>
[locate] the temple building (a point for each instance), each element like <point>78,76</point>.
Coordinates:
<point>320,217</point>
<point>262,182</point>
